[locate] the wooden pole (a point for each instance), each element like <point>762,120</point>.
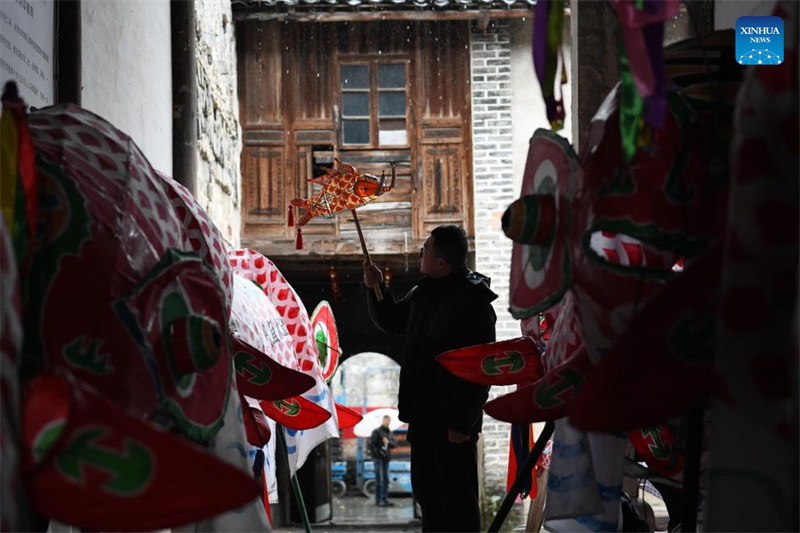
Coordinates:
<point>525,472</point>
<point>378,293</point>
<point>536,511</point>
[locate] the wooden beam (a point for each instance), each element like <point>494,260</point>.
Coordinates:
<point>67,52</point>
<point>368,16</point>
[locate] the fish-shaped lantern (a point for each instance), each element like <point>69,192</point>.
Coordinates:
<point>343,189</point>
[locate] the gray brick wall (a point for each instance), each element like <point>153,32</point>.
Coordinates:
<point>492,138</point>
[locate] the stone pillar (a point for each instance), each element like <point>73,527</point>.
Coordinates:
<point>595,55</point>
<point>596,42</point>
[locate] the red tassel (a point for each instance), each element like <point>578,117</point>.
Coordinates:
<point>291,217</point>
<point>298,245</point>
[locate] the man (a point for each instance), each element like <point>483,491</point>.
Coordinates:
<point>380,442</point>
<point>449,308</point>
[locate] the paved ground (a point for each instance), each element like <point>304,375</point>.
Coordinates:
<point>354,512</point>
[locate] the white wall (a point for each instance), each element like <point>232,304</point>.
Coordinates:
<point>370,377</point>
<point>126,71</point>
<point>526,94</point>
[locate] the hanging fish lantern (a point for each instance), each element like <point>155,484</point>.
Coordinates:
<point>343,189</point>
<point>118,298</point>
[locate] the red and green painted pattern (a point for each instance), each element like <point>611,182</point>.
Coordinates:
<point>498,363</point>
<point>548,398</point>
<point>99,467</point>
<point>656,445</point>
<point>262,378</point>
<point>541,268</point>
<point>295,413</point>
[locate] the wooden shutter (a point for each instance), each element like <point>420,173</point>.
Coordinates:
<point>265,196</point>
<point>443,194</point>
<point>443,186</point>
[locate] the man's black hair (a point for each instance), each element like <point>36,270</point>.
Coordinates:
<point>450,242</point>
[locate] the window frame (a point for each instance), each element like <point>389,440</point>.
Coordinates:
<point>373,63</point>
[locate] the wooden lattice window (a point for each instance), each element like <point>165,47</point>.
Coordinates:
<point>374,104</point>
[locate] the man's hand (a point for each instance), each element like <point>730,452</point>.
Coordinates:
<point>456,437</point>
<point>372,274</point>
<point>385,440</point>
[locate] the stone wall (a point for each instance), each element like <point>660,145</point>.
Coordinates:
<point>219,143</point>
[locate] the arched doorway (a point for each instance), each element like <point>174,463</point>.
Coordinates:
<point>366,382</point>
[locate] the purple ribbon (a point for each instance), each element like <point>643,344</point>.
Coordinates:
<point>540,40</point>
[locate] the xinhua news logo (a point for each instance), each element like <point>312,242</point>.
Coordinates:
<point>759,40</point>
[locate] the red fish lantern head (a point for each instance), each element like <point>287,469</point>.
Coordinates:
<point>367,186</point>
<point>637,220</point>
<point>118,297</point>
<point>606,222</point>
<point>343,189</point>
<point>539,223</point>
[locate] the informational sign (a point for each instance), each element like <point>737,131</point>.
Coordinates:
<point>26,48</point>
<point>759,40</point>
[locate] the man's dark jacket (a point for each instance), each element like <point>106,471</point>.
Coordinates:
<point>435,316</point>
<point>376,446</point>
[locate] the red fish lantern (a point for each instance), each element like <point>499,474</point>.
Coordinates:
<point>343,189</point>
<point>326,337</point>
<point>202,234</point>
<point>263,351</point>
<point>118,298</point>
<point>92,465</point>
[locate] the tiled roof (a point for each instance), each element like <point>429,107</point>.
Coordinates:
<point>384,4</point>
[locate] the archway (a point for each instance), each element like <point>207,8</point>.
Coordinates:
<point>365,382</point>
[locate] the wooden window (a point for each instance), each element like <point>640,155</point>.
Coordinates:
<point>374,104</point>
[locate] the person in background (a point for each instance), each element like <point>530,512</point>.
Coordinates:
<point>449,308</point>
<point>380,443</point>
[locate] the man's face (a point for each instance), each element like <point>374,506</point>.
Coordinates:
<point>431,264</point>
<point>386,421</point>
